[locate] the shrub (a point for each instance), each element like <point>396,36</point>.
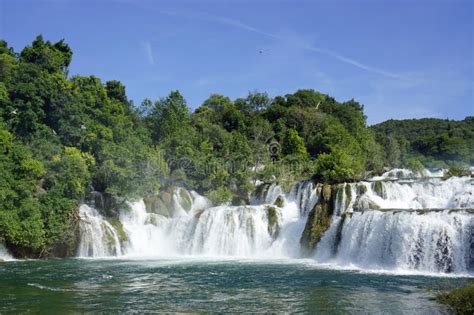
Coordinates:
<point>461,299</point>
<point>457,171</point>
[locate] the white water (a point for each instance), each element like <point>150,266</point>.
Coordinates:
<point>436,241</point>
<point>98,237</point>
<point>431,242</point>
<point>397,237</point>
<point>400,173</point>
<point>4,255</point>
<point>237,231</point>
<point>435,193</point>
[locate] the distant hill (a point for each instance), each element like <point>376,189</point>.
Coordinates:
<point>435,142</point>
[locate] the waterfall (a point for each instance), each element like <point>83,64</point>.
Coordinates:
<point>98,238</point>
<point>423,224</point>
<point>431,242</point>
<point>4,255</point>
<point>194,227</point>
<point>266,193</point>
<point>305,194</point>
<point>238,231</point>
<point>434,193</point>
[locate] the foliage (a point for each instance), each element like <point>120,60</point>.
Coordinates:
<point>60,138</point>
<point>457,171</point>
<point>461,299</point>
<point>220,195</point>
<point>435,142</point>
<point>63,138</point>
<point>293,143</point>
<point>415,165</point>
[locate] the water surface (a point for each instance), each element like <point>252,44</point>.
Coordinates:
<point>85,285</point>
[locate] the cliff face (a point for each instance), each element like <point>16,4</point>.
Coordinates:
<point>319,219</point>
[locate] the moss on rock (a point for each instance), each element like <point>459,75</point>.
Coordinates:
<point>67,245</point>
<point>279,202</point>
<point>377,187</point>
<point>154,204</point>
<point>361,189</point>
<point>348,190</point>
<point>326,192</point>
<point>319,220</point>
<point>273,227</point>
<point>186,201</point>
<point>117,225</point>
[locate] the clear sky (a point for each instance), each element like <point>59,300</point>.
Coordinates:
<point>401,59</point>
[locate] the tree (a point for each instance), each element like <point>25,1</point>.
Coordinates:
<point>393,153</point>
<point>293,144</point>
<point>116,90</point>
<point>169,116</point>
<point>51,57</point>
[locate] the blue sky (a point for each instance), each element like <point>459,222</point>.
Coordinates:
<point>401,59</point>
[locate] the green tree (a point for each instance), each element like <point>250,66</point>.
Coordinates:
<point>293,144</point>
<point>169,116</point>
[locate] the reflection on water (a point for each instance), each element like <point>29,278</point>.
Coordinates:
<point>59,286</point>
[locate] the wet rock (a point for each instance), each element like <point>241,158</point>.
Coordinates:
<point>319,220</point>
<point>273,226</point>
<point>279,202</point>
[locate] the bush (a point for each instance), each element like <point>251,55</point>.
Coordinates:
<point>220,195</point>
<point>415,166</point>
<point>457,171</point>
<point>460,299</point>
<point>334,167</point>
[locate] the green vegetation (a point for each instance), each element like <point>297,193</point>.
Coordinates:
<point>319,219</point>
<point>273,227</point>
<point>415,165</point>
<point>378,188</point>
<point>457,171</point>
<point>122,235</point>
<point>348,190</point>
<point>65,139</point>
<point>460,300</point>
<point>434,142</point>
<point>279,202</point>
<point>60,139</point>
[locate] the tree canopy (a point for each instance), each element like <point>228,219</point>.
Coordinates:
<point>65,139</point>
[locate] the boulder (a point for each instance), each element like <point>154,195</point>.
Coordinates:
<point>273,226</point>
<point>319,220</point>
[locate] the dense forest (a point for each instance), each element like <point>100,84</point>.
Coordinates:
<point>68,139</point>
<point>434,142</point>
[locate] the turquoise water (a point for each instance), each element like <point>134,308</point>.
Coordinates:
<point>76,285</point>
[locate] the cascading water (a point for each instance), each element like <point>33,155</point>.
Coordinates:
<point>420,224</point>
<point>424,225</point>
<point>259,230</point>
<point>305,194</point>
<point>194,227</point>
<point>4,255</point>
<point>432,242</point>
<point>435,193</point>
<point>98,237</point>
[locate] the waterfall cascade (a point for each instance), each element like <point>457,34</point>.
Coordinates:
<point>270,227</point>
<point>98,237</point>
<point>4,255</point>
<point>423,224</point>
<point>434,193</point>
